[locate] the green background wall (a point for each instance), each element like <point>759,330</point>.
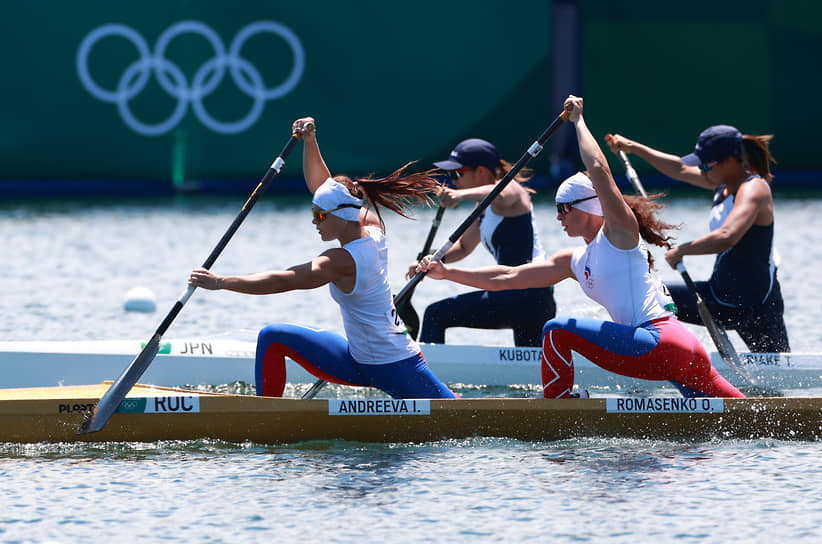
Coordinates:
<point>661,72</point>
<point>388,83</point>
<point>394,82</point>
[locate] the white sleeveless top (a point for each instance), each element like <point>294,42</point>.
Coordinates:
<point>375,333</point>
<point>619,279</point>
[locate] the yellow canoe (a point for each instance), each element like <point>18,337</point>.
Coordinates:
<point>149,413</point>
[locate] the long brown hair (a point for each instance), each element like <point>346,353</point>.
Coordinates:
<point>396,191</point>
<point>522,177</point>
<point>651,228</point>
<point>756,154</point>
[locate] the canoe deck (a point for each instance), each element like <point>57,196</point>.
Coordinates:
<point>53,414</point>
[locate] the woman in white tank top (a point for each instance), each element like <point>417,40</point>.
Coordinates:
<point>643,339</point>
<point>376,350</point>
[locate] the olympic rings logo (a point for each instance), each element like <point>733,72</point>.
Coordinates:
<point>207,78</point>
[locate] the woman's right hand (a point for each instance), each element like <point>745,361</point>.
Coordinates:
<point>305,127</point>
<point>618,143</point>
<point>448,197</point>
<point>433,269</point>
<point>412,270</point>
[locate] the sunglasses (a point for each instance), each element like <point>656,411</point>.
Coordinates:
<point>708,166</point>
<point>322,215</point>
<point>457,174</point>
<point>565,207</point>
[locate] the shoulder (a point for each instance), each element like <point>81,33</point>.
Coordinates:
<point>755,189</point>
<point>336,258</point>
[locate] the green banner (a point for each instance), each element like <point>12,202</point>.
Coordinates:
<point>188,90</point>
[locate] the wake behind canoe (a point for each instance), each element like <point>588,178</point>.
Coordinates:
<point>52,414</point>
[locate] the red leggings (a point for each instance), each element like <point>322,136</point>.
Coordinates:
<point>661,350</point>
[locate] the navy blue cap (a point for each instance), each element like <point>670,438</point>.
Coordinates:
<point>714,144</point>
<point>471,153</point>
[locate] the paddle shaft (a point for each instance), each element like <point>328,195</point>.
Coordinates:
<point>532,152</point>
<point>120,388</point>
<point>718,335</point>
<point>404,308</point>
<point>435,225</point>
<point>631,173</point>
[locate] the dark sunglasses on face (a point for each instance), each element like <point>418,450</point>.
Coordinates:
<point>322,215</point>
<point>565,207</point>
<point>457,174</point>
<point>705,168</point>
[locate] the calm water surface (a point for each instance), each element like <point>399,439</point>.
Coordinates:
<point>69,266</point>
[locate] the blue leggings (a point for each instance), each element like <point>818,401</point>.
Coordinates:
<point>761,326</point>
<point>325,354</point>
<point>524,311</point>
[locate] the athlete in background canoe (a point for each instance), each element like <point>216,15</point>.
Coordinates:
<point>644,339</point>
<point>743,292</point>
<point>508,231</point>
<point>377,351</point>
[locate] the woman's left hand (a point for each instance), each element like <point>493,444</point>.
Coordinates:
<point>573,105</point>
<point>673,257</point>
<point>205,279</point>
<point>433,269</point>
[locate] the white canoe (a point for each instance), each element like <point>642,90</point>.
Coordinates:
<point>149,413</point>
<point>220,360</point>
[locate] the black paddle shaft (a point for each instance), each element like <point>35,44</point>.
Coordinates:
<point>532,152</point>
<point>97,419</point>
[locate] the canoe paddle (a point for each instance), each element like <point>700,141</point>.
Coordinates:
<point>718,335</point>
<point>529,154</point>
<point>97,418</point>
<point>405,310</point>
<point>629,171</point>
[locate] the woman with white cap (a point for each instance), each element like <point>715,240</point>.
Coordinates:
<point>644,339</point>
<point>743,292</point>
<point>508,231</point>
<point>376,350</point>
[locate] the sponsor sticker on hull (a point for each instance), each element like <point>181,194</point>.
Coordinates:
<point>664,405</point>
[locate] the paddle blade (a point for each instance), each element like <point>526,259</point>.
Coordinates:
<point>97,419</point>
<point>409,316</point>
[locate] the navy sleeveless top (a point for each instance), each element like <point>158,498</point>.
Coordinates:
<point>744,274</point>
<point>511,240</point>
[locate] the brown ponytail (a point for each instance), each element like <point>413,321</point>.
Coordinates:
<point>756,152</point>
<point>397,192</point>
<point>522,176</point>
<point>651,228</point>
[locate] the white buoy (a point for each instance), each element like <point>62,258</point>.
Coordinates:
<point>140,299</point>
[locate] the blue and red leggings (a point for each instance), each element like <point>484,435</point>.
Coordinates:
<point>325,355</point>
<point>662,349</point>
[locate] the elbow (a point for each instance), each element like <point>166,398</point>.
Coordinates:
<point>726,240</point>
<point>599,167</point>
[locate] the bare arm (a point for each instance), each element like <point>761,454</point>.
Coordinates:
<point>334,265</point>
<point>496,278</point>
<point>463,247</point>
<point>621,226</point>
<point>314,168</point>
<point>752,205</point>
<point>512,200</point>
<point>668,164</point>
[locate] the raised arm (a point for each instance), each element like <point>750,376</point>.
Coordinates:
<point>621,226</point>
<point>667,164</point>
<point>314,168</point>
